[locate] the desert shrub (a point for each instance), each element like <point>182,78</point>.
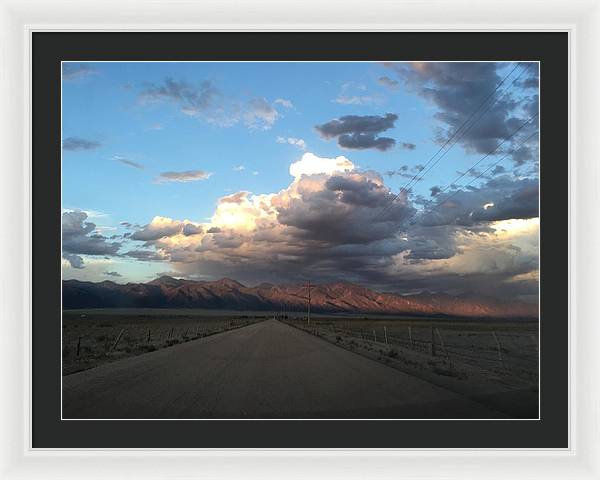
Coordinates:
<point>393,353</point>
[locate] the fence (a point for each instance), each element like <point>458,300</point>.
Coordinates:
<point>489,349</point>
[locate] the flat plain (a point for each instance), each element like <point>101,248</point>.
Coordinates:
<point>203,364</point>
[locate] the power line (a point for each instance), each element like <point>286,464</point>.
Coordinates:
<point>489,107</point>
<point>481,174</point>
<point>488,154</point>
<point>449,139</point>
<point>419,176</point>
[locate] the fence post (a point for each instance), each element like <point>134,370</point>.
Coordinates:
<point>78,345</point>
<point>385,334</point>
<point>432,343</point>
<point>499,347</point>
<point>374,336</point>
<point>114,345</point>
<point>170,333</point>
<point>410,337</point>
<point>149,336</point>
<point>442,344</point>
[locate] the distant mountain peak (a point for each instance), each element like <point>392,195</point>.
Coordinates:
<point>337,297</point>
<point>166,280</point>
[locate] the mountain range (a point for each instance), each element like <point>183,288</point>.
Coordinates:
<point>339,297</point>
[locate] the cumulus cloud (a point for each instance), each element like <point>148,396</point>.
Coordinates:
<point>360,132</point>
<point>335,221</point>
<point>77,143</point>
<point>310,164</point>
<point>457,89</point>
<point>183,177</point>
<point>81,238</point>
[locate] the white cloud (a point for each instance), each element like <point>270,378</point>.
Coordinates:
<point>310,164</point>
<point>284,103</point>
<point>297,142</point>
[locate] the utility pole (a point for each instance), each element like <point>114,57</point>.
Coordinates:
<point>308,306</point>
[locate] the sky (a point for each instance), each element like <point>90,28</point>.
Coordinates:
<point>402,177</point>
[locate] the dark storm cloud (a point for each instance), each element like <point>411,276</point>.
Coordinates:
<point>359,192</point>
<point>360,132</point>
<point>435,190</point>
<point>523,203</point>
<point>501,198</point>
<point>458,89</point>
<point>435,243</point>
<point>162,227</point>
<point>75,260</point>
<point>76,143</point>
<point>338,214</point>
<point>79,238</point>
<point>145,255</point>
<point>335,226</point>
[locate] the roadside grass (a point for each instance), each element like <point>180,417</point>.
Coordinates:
<point>92,338</point>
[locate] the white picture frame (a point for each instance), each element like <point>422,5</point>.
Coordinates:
<point>18,19</point>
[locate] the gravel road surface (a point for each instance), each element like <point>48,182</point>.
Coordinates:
<point>266,370</point>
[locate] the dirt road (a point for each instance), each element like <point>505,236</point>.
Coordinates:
<point>266,370</point>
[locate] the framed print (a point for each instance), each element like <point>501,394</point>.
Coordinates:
<point>274,243</point>
<point>368,281</point>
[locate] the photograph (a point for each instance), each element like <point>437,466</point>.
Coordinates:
<point>300,240</point>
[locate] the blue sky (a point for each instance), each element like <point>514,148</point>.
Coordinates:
<point>145,140</point>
